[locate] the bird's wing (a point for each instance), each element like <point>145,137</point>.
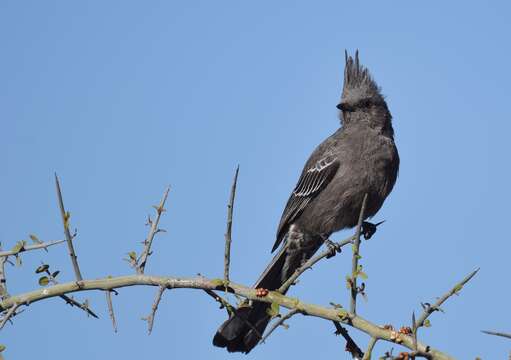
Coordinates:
<point>312,181</point>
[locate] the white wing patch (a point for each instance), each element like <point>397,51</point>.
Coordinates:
<point>313,178</point>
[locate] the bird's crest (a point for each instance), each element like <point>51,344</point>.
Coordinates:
<point>358,82</point>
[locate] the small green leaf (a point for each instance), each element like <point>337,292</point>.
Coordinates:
<point>34,238</point>
<point>43,280</point>
<point>217,282</point>
<point>343,314</point>
<point>20,246</point>
<point>362,275</point>
<point>42,268</point>
<point>274,309</point>
<point>427,323</point>
<point>132,255</point>
<point>2,347</point>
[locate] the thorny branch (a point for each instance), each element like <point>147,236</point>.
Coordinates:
<point>111,312</point>
<point>351,346</point>
<point>249,293</point>
<point>10,313</point>
<point>332,249</point>
<point>223,303</point>
<point>497,333</point>
<point>337,314</point>
<point>279,322</point>
<point>154,307</point>
<point>3,280</point>
<point>25,248</point>
<point>65,221</point>
<point>228,231</point>
<point>160,209</point>
<point>69,299</point>
<point>356,256</point>
<point>370,347</point>
<point>429,309</point>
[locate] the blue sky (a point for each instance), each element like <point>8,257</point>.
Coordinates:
<point>122,98</point>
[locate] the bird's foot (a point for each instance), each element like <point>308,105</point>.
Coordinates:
<point>333,248</point>
<point>368,229</point>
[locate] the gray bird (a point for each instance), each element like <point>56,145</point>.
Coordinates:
<point>359,158</point>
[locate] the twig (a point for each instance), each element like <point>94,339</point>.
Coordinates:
<point>111,309</point>
<point>328,313</point>
<point>356,256</point>
<point>223,303</point>
<point>152,232</point>
<point>279,322</point>
<point>84,306</point>
<point>69,300</point>
<point>414,331</point>
<point>31,247</point>
<point>312,261</point>
<point>9,314</point>
<point>228,231</point>
<point>65,221</point>
<point>154,307</point>
<point>497,333</point>
<point>370,347</point>
<point>351,346</point>
<point>3,279</point>
<point>428,310</point>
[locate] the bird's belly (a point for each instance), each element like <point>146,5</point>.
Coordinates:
<point>338,207</point>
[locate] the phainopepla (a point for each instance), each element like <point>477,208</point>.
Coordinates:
<point>359,158</point>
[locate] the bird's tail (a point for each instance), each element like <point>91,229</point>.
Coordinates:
<point>245,327</point>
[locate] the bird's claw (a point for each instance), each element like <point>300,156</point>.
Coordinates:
<point>333,248</point>
<point>368,229</point>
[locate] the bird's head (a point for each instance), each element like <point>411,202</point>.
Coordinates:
<point>361,99</point>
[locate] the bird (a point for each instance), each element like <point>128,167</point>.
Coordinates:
<point>358,160</point>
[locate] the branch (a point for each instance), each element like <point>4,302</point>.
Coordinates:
<point>429,309</point>
<point>228,231</point>
<point>152,232</point>
<point>73,302</point>
<point>333,248</point>
<point>51,278</point>
<point>223,303</point>
<point>356,256</point>
<point>150,317</point>
<point>111,309</point>
<point>65,221</point>
<point>331,314</point>
<point>351,346</point>
<point>3,280</point>
<point>279,322</point>
<point>370,347</point>
<point>31,247</point>
<point>11,312</point>
<point>497,333</point>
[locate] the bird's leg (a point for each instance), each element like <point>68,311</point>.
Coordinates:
<point>368,229</point>
<point>333,248</point>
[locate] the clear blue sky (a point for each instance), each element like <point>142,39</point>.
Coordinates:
<point>122,98</point>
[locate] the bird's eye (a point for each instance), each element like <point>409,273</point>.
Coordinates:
<point>344,107</point>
